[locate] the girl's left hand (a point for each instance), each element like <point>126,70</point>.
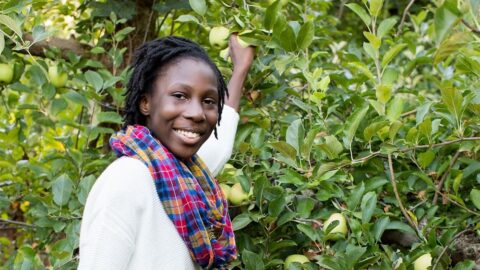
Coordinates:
<point>242,58</point>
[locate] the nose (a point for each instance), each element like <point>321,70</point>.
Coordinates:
<point>194,111</point>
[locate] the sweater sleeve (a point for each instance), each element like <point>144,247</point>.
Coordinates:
<point>216,152</point>
<point>111,216</point>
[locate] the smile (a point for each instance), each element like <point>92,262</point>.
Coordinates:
<point>188,134</point>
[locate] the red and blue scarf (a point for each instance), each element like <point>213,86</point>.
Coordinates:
<point>190,195</point>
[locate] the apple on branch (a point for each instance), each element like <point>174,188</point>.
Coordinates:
<point>298,258</point>
<point>6,73</point>
<point>340,230</point>
<point>57,78</point>
<point>218,37</point>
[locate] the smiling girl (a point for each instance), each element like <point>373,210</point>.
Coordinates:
<point>158,206</point>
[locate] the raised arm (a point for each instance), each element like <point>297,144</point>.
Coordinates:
<point>215,153</point>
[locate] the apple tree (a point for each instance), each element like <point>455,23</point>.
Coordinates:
<point>358,143</point>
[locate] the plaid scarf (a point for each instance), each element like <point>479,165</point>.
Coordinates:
<point>190,195</point>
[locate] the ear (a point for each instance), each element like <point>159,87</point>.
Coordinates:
<point>145,105</point>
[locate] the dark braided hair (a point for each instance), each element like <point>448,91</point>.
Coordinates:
<point>150,59</point>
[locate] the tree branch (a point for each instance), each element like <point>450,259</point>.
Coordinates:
<point>444,177</point>
<point>397,195</point>
<point>473,29</point>
<point>64,45</point>
<point>8,221</point>
<point>404,16</point>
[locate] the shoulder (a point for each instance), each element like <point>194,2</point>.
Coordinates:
<point>124,179</point>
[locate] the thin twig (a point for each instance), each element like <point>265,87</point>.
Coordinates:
<point>149,21</point>
<point>397,195</point>
<point>473,29</point>
<point>8,221</point>
<point>172,29</point>
<point>409,113</point>
<point>444,176</point>
<point>404,16</point>
<point>439,257</point>
<point>441,144</point>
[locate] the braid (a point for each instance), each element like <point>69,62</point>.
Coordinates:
<point>150,59</point>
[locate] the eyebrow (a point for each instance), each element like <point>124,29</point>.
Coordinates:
<point>209,90</point>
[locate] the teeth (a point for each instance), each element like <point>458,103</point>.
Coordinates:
<point>188,134</point>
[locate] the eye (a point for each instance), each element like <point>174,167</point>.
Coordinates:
<point>210,101</point>
<point>179,95</point>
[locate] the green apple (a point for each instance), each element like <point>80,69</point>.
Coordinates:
<point>242,42</point>
<point>340,229</point>
<point>6,73</point>
<point>423,262</point>
<point>225,189</point>
<point>58,79</point>
<point>237,195</point>
<point>219,37</point>
<point>295,258</point>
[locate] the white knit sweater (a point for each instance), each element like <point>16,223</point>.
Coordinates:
<point>124,224</point>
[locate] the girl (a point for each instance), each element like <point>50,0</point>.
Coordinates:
<point>158,206</point>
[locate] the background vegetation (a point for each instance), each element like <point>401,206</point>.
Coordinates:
<point>366,108</point>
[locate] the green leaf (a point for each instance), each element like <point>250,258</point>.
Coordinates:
<point>199,6</point>
<point>372,129</point>
<point>452,98</point>
<point>120,35</point>
<point>363,68</point>
<point>2,42</point>
<point>271,15</point>
<point>395,109</point>
<point>379,227</point>
<point>391,53</point>
<point>109,117</point>
<point>444,20</point>
<point>375,7</point>
<point>385,27</point>
<point>394,127</point>
<point>241,221</point>
<point>94,79</point>
<point>252,260</point>
<point>360,12</point>
<point>332,147</point>
<point>425,158</point>
<point>305,206</point>
<point>62,188</point>
<point>305,35</point>
<point>295,135</point>
<point>85,186</point>
<point>75,97</point>
<point>465,265</point>
<point>308,143</point>
<point>383,93</point>
<point>475,197</point>
<point>422,111</point>
<point>352,125</point>
<point>287,39</point>
<point>187,18</point>
<point>379,107</point>
<point>368,205</point>
<point>374,40</point>
<point>456,182</point>
<point>285,149</point>
<point>450,45</point>
<point>12,24</point>
<point>398,225</point>
<point>276,206</point>
<point>308,231</point>
<point>356,195</point>
<point>370,50</point>
<point>39,33</point>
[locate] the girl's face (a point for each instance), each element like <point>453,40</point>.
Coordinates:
<point>182,109</point>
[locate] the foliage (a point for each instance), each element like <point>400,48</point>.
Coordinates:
<point>349,108</point>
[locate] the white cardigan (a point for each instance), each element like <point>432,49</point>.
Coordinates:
<point>124,225</point>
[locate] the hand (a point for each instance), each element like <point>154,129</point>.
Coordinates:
<point>242,58</point>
